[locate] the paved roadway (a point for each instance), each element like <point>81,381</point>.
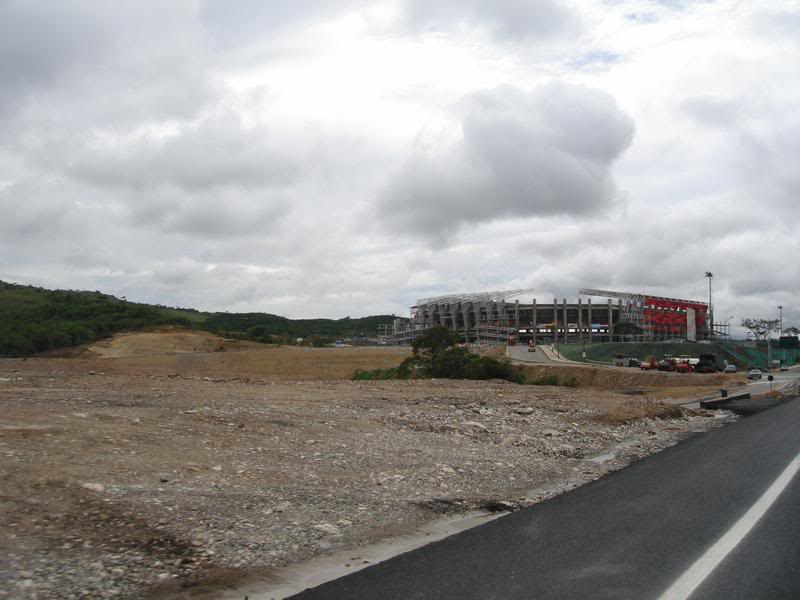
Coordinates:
<point>521,354</point>
<point>762,386</point>
<point>633,534</point>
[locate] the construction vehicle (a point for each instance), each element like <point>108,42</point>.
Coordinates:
<point>649,364</point>
<point>668,364</point>
<point>707,363</point>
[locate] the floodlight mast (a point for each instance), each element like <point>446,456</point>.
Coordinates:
<point>710,276</point>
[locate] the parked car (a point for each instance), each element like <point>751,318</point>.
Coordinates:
<point>634,362</point>
<point>730,368</point>
<point>754,374</point>
<point>784,367</point>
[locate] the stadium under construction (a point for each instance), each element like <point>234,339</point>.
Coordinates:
<point>501,317</point>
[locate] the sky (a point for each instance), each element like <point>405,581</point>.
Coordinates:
<point>331,158</point>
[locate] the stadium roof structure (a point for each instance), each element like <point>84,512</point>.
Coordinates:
<point>499,296</point>
<point>633,296</point>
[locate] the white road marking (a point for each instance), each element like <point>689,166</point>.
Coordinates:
<point>702,568</point>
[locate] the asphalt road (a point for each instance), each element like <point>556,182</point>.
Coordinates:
<point>633,534</point>
<point>521,353</point>
<point>780,379</point>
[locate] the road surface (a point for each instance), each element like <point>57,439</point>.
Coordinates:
<point>780,380</point>
<point>521,353</point>
<point>717,516</point>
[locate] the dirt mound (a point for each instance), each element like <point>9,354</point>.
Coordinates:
<point>618,378</point>
<point>171,341</point>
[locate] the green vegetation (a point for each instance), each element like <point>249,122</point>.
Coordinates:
<point>378,374</point>
<point>743,356</point>
<point>35,320</point>
<point>436,355</point>
<point>263,327</point>
<point>554,380</point>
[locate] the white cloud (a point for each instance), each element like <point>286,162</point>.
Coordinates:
<point>547,152</point>
<point>290,157</point>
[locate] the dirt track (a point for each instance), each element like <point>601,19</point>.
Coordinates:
<point>133,480</point>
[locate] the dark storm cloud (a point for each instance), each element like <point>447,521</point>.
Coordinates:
<point>543,153</point>
<point>506,19</point>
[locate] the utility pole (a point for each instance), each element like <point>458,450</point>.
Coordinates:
<point>710,276</point>
<point>783,352</point>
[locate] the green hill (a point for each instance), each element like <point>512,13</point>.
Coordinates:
<point>34,320</point>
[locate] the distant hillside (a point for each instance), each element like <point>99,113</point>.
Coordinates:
<point>34,320</point>
<point>259,325</point>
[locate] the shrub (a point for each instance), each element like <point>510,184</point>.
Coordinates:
<point>551,379</point>
<point>377,374</point>
<point>435,355</point>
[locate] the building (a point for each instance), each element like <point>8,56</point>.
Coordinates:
<point>602,316</point>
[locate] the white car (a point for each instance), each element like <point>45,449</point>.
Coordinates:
<point>730,368</point>
<point>754,374</point>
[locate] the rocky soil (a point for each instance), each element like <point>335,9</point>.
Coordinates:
<point>117,485</point>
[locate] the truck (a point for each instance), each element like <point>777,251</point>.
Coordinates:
<point>706,363</point>
<point>649,364</point>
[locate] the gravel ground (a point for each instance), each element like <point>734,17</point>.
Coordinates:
<point>117,485</point>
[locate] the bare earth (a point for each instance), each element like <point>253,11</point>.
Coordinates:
<point>150,469</point>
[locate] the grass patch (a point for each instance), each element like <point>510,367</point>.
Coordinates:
<point>377,374</point>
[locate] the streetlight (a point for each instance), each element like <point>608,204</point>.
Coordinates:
<point>710,275</point>
<point>727,329</point>
<point>783,352</point>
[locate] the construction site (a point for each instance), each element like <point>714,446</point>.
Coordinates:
<point>595,316</point>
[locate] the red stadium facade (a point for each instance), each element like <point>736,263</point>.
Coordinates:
<point>671,316</point>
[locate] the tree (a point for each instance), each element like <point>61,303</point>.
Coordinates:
<point>761,328</point>
<point>789,339</point>
<point>436,355</point>
<point>435,341</point>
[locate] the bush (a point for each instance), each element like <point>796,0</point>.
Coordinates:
<point>435,355</point>
<point>377,374</point>
<point>551,379</point>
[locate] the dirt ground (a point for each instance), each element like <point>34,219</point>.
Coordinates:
<point>145,469</point>
<point>199,353</point>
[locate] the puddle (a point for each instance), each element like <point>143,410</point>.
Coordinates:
<point>286,581</point>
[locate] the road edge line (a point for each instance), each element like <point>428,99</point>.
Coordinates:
<point>687,583</point>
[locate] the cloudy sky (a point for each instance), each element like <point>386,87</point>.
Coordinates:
<point>336,157</point>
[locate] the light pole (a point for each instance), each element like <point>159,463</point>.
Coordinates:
<point>783,352</point>
<point>710,276</point>
<point>727,327</point>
